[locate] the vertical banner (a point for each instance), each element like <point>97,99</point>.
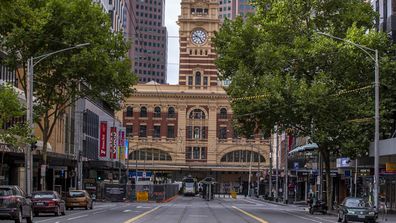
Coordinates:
<point>121,143</point>
<point>126,148</point>
<point>113,143</point>
<point>103,139</point>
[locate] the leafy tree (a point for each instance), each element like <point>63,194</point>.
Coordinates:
<point>15,135</point>
<point>99,71</point>
<point>319,87</point>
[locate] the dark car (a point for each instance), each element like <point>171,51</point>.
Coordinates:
<point>48,202</point>
<point>356,209</point>
<point>14,205</point>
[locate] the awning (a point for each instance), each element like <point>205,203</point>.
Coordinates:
<point>304,148</point>
<point>40,143</point>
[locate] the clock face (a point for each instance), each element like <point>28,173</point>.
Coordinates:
<point>199,36</point>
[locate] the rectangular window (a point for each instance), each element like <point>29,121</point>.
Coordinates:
<point>171,132</point>
<point>205,81</point>
<point>188,153</point>
<point>129,130</point>
<point>203,153</point>
<point>190,80</point>
<point>223,133</point>
<point>143,131</point>
<point>189,132</point>
<point>157,131</point>
<point>204,135</point>
<point>196,153</point>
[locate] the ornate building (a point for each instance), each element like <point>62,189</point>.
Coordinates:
<point>176,130</point>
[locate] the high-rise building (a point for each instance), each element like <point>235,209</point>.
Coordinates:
<point>116,10</point>
<point>386,21</point>
<point>230,9</point>
<point>150,41</point>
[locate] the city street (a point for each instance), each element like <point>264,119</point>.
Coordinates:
<point>189,210</point>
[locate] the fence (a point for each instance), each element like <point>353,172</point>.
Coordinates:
<point>118,193</point>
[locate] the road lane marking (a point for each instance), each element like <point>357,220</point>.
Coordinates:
<point>126,211</point>
<point>98,212</point>
<point>141,215</point>
<point>250,215</point>
<point>198,216</point>
<point>81,216</point>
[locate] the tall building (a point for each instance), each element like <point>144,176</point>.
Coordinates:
<point>116,11</point>
<point>386,21</point>
<point>230,9</point>
<point>180,130</point>
<point>150,41</point>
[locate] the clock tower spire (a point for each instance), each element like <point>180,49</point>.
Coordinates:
<point>198,21</point>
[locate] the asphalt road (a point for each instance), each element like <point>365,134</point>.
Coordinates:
<point>189,210</point>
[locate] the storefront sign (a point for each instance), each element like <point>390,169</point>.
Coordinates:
<point>113,142</point>
<point>121,144</point>
<point>103,139</point>
<point>390,167</point>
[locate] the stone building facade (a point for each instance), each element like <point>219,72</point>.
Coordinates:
<point>185,129</point>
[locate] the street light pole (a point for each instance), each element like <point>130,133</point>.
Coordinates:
<point>29,113</point>
<point>367,50</point>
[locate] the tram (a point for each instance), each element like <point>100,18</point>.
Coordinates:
<point>190,186</point>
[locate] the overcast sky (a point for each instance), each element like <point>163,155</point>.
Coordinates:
<point>172,11</point>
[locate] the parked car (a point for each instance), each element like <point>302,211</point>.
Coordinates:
<point>14,205</point>
<point>356,209</point>
<point>78,198</point>
<point>48,202</point>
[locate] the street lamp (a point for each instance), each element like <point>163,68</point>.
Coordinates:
<point>29,115</point>
<point>376,116</point>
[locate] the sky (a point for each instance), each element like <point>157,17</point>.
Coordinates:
<point>172,11</point>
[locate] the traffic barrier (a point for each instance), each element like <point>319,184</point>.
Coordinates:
<point>142,196</point>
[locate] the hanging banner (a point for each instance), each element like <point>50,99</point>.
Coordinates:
<point>113,142</point>
<point>121,143</point>
<point>126,148</point>
<point>103,139</point>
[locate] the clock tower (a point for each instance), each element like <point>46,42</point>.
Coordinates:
<point>198,21</point>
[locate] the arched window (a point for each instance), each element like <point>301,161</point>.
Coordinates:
<point>197,114</point>
<point>157,112</point>
<point>198,78</point>
<point>129,111</point>
<point>171,112</point>
<point>223,113</point>
<point>242,156</point>
<point>150,154</point>
<point>143,112</point>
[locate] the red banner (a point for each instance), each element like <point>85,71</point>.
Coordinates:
<point>103,139</point>
<point>113,142</point>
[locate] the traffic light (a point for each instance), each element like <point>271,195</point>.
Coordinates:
<point>33,145</point>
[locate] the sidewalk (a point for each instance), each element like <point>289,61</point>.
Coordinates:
<point>391,218</point>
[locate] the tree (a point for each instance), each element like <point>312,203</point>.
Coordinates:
<point>320,88</point>
<point>99,71</point>
<point>16,135</point>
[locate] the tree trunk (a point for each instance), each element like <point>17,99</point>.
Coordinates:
<point>329,189</point>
